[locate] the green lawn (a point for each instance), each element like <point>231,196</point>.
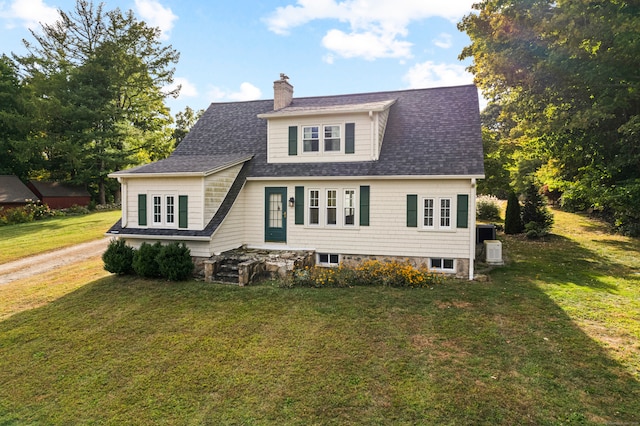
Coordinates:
<point>552,338</point>
<point>25,239</point>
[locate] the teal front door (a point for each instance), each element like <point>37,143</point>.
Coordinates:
<point>275,214</point>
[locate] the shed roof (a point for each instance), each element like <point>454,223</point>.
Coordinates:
<point>12,190</point>
<point>58,189</point>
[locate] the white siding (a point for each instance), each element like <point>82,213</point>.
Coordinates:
<point>197,248</point>
<point>278,137</point>
<point>190,186</point>
<point>387,233</point>
<point>230,234</point>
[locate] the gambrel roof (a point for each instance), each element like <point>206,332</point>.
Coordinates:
<point>430,132</point>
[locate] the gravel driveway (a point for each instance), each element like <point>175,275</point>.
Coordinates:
<point>38,264</point>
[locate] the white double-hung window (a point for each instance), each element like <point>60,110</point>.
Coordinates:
<point>311,139</point>
<point>349,207</point>
<point>314,207</point>
<point>332,138</point>
<point>332,207</point>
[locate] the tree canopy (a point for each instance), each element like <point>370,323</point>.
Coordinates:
<point>563,79</point>
<point>96,80</point>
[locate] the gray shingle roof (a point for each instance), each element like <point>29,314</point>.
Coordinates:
<point>429,132</point>
<point>58,189</point>
<point>198,164</point>
<point>12,190</point>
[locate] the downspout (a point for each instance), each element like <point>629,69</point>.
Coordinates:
<point>472,227</point>
<point>123,201</point>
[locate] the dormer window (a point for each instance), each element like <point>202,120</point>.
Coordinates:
<point>310,139</point>
<point>332,138</point>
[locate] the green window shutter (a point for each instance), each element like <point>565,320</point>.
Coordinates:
<point>364,205</point>
<point>183,211</point>
<point>142,209</point>
<point>293,140</point>
<point>462,211</point>
<point>349,138</point>
<point>412,210</point>
<point>299,205</point>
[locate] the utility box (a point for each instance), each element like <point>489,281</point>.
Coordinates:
<point>485,232</point>
<point>493,252</point>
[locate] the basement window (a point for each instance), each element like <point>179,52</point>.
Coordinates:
<point>442,264</point>
<point>328,259</point>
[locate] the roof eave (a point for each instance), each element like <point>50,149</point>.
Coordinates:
<point>357,109</point>
<point>125,174</point>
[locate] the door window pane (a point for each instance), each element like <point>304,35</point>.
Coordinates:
<point>275,211</point>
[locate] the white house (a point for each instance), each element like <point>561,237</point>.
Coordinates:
<point>386,174</point>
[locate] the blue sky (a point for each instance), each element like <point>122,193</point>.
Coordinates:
<point>233,50</point>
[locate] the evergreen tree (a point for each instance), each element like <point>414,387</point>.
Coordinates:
<point>512,218</point>
<point>99,78</point>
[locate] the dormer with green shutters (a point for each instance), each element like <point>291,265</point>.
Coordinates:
<point>302,133</point>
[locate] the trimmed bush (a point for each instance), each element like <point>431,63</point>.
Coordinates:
<point>512,217</point>
<point>145,262</point>
<point>487,208</point>
<point>175,262</point>
<point>118,259</point>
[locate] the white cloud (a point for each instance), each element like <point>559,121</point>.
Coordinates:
<point>368,45</point>
<point>187,89</point>
<point>30,13</point>
<point>376,26</point>
<point>156,15</point>
<point>430,74</point>
<point>444,41</point>
<point>247,92</point>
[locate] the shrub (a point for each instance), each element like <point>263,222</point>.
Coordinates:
<point>175,262</point>
<point>118,259</point>
<point>512,218</point>
<point>535,214</point>
<point>145,261</point>
<point>370,273</point>
<point>487,208</point>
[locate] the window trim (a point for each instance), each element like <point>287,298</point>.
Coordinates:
<point>317,207</point>
<point>325,139</point>
<point>328,263</point>
<point>437,214</point>
<point>442,262</point>
<point>352,207</point>
<point>334,207</point>
<point>304,139</point>
<point>442,217</point>
<point>163,210</point>
<point>322,140</point>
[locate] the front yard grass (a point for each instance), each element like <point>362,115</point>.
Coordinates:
<point>26,239</point>
<point>553,338</point>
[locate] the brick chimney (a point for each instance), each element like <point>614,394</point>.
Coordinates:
<point>282,93</point>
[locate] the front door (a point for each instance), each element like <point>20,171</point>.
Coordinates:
<point>275,214</point>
